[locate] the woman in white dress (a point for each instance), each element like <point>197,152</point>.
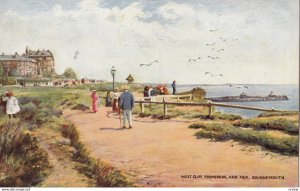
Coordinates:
<point>12,104</point>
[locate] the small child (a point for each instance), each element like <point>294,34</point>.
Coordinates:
<point>12,104</point>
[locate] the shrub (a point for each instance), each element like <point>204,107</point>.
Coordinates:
<point>276,124</point>
<point>107,176</point>
<point>36,101</point>
<point>281,113</point>
<point>45,114</point>
<point>80,107</point>
<point>217,115</point>
<point>223,132</point>
<point>144,114</point>
<point>28,111</point>
<point>197,93</point>
<point>226,116</point>
<point>161,117</point>
<point>25,100</point>
<point>22,162</point>
<point>197,126</point>
<point>69,131</point>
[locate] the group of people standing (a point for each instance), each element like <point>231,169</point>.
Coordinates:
<point>120,102</point>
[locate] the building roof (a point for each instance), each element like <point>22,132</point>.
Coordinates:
<point>16,57</point>
<point>38,53</point>
<point>130,78</point>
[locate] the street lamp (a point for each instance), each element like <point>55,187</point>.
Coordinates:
<point>113,72</point>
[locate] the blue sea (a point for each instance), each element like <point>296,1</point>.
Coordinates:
<point>292,91</point>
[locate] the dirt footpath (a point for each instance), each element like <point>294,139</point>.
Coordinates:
<point>167,154</point>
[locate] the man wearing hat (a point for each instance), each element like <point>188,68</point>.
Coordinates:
<point>127,104</point>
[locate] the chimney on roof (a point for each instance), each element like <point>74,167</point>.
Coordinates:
<point>16,54</point>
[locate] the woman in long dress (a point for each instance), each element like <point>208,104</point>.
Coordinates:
<point>116,96</point>
<point>12,104</point>
<point>95,100</point>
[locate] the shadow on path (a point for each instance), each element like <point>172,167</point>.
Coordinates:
<point>111,129</point>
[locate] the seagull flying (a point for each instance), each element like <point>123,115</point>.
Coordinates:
<point>212,44</point>
<point>155,61</point>
<point>192,60</point>
<point>213,57</point>
<point>212,75</point>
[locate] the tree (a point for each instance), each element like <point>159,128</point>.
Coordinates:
<point>70,73</point>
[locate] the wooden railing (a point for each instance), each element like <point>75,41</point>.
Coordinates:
<point>208,104</point>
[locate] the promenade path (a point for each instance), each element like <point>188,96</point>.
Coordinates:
<point>165,153</point>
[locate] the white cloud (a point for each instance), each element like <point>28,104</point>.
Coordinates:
<point>131,36</point>
<point>88,5</point>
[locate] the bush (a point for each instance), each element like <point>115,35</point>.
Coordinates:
<point>28,111</point>
<point>218,115</point>
<point>69,131</point>
<point>197,126</point>
<point>80,107</point>
<point>22,162</point>
<point>197,93</point>
<point>227,116</point>
<point>107,176</point>
<point>281,113</point>
<point>45,115</point>
<point>25,100</point>
<point>276,124</point>
<point>223,132</point>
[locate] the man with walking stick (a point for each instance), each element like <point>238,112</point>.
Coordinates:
<point>126,104</point>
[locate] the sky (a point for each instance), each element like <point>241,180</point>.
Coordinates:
<point>250,42</point>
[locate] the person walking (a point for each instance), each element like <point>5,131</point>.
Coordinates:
<point>95,99</point>
<point>12,104</point>
<point>116,96</point>
<point>127,104</point>
<point>108,99</point>
<point>174,87</point>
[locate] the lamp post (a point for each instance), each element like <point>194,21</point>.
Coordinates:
<point>113,72</point>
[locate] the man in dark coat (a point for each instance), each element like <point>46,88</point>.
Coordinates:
<point>174,86</point>
<point>127,104</point>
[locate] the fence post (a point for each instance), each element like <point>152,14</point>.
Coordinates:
<point>177,98</point>
<point>209,109</point>
<point>142,107</point>
<point>165,107</point>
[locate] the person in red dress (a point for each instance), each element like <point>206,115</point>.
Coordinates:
<point>95,99</point>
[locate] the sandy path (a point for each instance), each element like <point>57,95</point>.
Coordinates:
<point>160,153</point>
